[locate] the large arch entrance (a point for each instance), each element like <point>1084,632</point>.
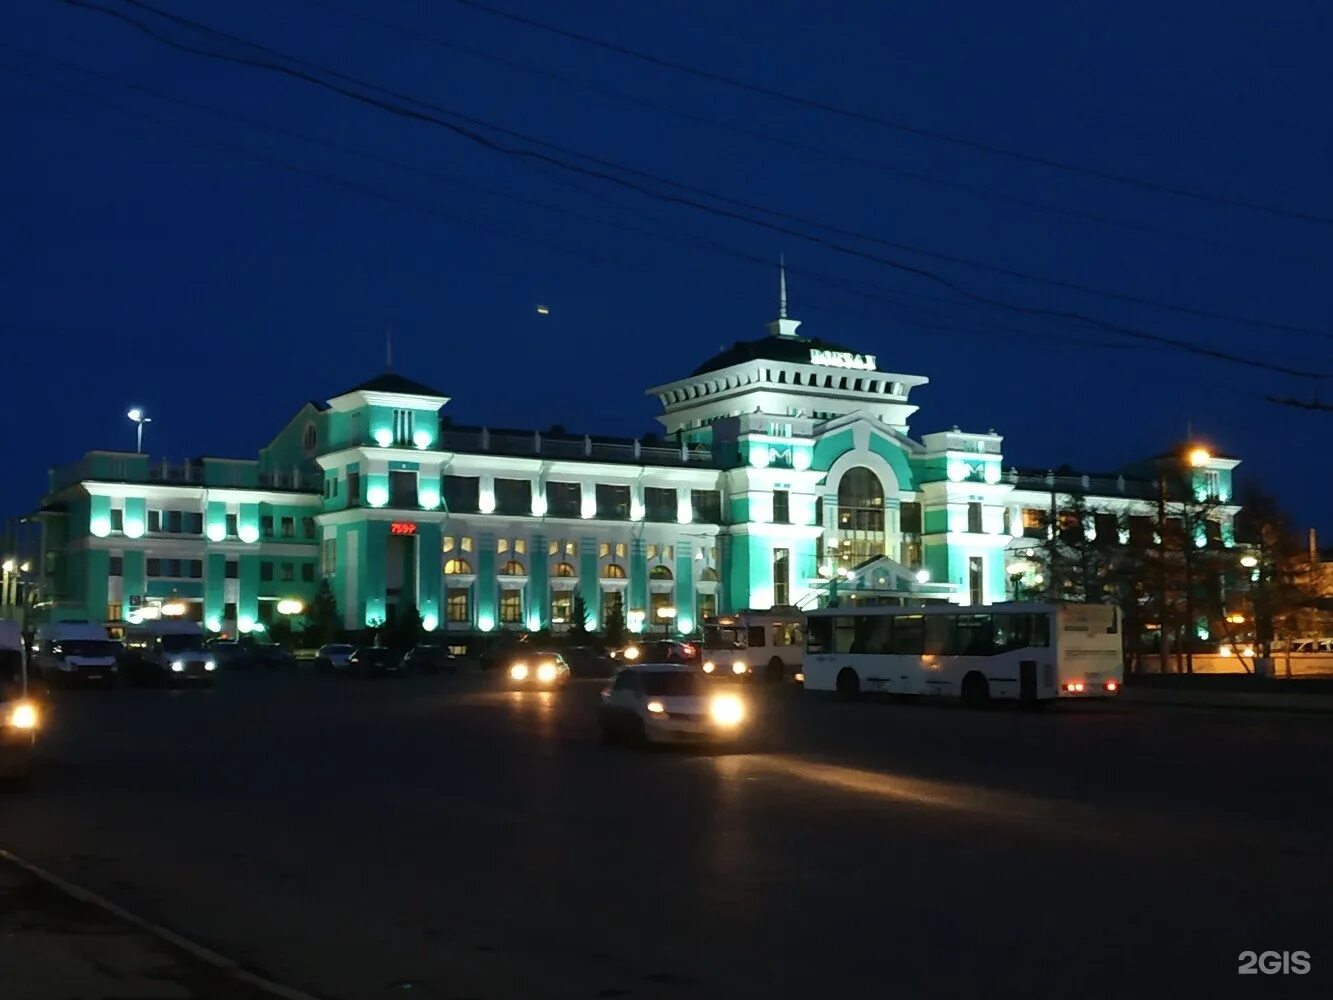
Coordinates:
<point>860,518</point>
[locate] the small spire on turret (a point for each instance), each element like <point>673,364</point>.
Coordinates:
<point>783,326</point>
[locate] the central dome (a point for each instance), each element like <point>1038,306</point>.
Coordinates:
<point>793,350</point>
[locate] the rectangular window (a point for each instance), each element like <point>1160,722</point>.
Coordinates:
<point>289,527</point>
<point>976,579</point>
<point>612,502</point>
<point>308,527</point>
<point>909,635</point>
<point>329,557</point>
<point>307,572</point>
<point>782,507</point>
<point>404,426</point>
<point>620,550</point>
<point>974,518</point>
<point>353,489</point>
<point>1034,522</point>
<point>152,567</point>
<point>564,499</point>
<point>117,520</point>
<point>172,567</point>
<point>659,504</point>
<point>233,570</point>
<point>196,569</point>
<point>909,518</point>
<point>1107,528</point>
<point>562,607</point>
<point>706,506</point>
<point>462,494</point>
<point>231,525</point>
<point>115,566</point>
<point>175,520</point>
<point>458,604</point>
<point>266,571</point>
<point>229,611</point>
<point>781,575</point>
<point>651,551</point>
<point>659,610</point>
<point>707,607</point>
<point>1212,484</point>
<point>513,496</point>
<point>194,524</point>
<point>511,606</point>
<point>113,612</point>
<point>266,526</point>
<point>402,489</point>
<point>973,635</point>
<point>288,572</point>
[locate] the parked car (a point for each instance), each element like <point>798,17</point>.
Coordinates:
<point>274,656</point>
<point>429,660</point>
<point>657,651</point>
<point>231,655</point>
<point>76,653</point>
<point>168,652</point>
<point>503,650</point>
<point>542,669</point>
<point>374,661</point>
<point>333,656</point>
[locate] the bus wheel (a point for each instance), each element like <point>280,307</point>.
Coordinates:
<point>976,692</point>
<point>848,684</point>
<point>776,670</point>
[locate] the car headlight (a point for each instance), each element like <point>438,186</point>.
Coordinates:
<point>546,672</point>
<point>631,652</point>
<point>177,666</point>
<point>655,708</point>
<point>23,716</point>
<point>210,665</point>
<point>727,710</point>
<point>709,666</point>
<point>519,672</point>
<point>738,667</point>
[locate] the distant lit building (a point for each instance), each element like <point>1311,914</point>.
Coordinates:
<point>785,472</point>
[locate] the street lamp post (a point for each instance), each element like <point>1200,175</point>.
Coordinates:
<point>137,415</point>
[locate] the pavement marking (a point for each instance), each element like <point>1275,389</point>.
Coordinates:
<point>191,948</point>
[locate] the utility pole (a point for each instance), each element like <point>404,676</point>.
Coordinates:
<point>1163,642</point>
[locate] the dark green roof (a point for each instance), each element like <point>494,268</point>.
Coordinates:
<point>795,350</point>
<point>393,382</point>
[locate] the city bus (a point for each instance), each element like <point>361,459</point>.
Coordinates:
<point>1027,652</point>
<point>768,644</point>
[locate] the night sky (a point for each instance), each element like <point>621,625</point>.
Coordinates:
<point>218,274</point>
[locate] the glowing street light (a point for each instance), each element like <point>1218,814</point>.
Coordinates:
<point>923,576</point>
<point>136,414</point>
<point>1199,457</point>
<point>1249,562</point>
<point>290,606</point>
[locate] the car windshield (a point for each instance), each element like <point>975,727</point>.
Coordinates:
<point>724,637</point>
<point>664,682</point>
<point>175,642</point>
<point>88,647</point>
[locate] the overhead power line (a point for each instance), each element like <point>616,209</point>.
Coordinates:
<point>782,141</point>
<point>747,206</point>
<point>897,126</point>
<point>415,113</point>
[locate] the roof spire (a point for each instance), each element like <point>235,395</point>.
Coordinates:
<point>783,326</point>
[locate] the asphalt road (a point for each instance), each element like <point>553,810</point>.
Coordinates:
<point>440,838</point>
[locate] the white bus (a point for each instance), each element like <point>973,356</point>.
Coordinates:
<point>1028,652</point>
<point>768,645</point>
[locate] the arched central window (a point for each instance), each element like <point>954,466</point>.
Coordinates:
<point>453,567</point>
<point>563,569</point>
<point>614,571</point>
<point>512,568</point>
<point>659,573</point>
<point>860,517</point>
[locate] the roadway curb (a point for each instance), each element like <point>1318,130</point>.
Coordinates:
<point>1242,702</point>
<point>195,950</point>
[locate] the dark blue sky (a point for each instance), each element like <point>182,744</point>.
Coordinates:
<point>151,259</point>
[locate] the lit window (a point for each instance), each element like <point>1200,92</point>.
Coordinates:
<point>458,603</point>
<point>660,573</point>
<point>511,606</point>
<point>614,572</point>
<point>453,567</point>
<point>564,569</point>
<point>512,568</point>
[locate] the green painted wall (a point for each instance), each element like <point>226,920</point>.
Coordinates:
<point>96,567</point>
<point>936,521</point>
<point>136,513</point>
<point>487,613</point>
<point>830,448</point>
<point>638,578</point>
<point>589,586</point>
<point>374,553</point>
<point>736,573</point>
<point>739,509</point>
<point>428,571</point>
<point>133,580</point>
<point>247,598</point>
<point>215,572</point>
<point>287,450</point>
<point>684,571</point>
<point>893,453</point>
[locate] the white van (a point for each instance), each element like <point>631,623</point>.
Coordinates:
<point>76,652</point>
<point>19,716</point>
<point>168,651</point>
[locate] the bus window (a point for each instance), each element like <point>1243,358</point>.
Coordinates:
<point>972,635</point>
<point>819,635</point>
<point>909,635</point>
<point>756,637</point>
<point>1012,631</point>
<point>844,635</point>
<point>872,634</point>
<point>1041,630</point>
<point>939,635</point>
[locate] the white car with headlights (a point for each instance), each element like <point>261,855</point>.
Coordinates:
<point>669,703</point>
<point>537,670</point>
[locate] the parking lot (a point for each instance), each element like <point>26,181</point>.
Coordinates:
<point>443,837</point>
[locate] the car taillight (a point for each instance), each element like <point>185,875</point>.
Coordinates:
<point>1112,686</point>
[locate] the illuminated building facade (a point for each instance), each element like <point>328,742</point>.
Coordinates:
<point>786,471</point>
